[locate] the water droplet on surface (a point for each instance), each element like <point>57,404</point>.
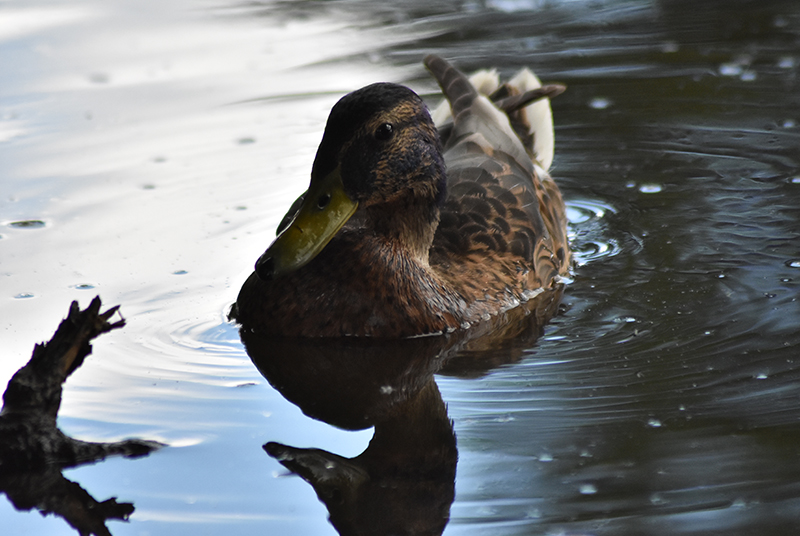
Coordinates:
<point>762,376</point>
<point>654,423</point>
<point>786,62</point>
<point>545,457</point>
<point>533,513</point>
<point>670,47</point>
<point>23,296</point>
<point>794,263</point>
<point>180,272</point>
<point>730,69</point>
<point>780,21</point>
<point>599,103</point>
<point>748,76</point>
<point>587,489</point>
<point>650,188</point>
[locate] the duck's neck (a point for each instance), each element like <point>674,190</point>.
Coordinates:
<point>406,225</point>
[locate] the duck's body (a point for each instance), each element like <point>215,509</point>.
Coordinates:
<point>424,249</point>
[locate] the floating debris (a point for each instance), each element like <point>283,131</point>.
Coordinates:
<point>83,286</point>
<point>27,224</point>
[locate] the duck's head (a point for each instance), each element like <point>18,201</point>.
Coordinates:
<point>380,154</point>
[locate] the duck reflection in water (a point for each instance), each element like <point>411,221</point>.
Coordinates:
<point>404,482</point>
<point>385,245</point>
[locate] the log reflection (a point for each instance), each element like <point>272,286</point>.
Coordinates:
<point>33,451</point>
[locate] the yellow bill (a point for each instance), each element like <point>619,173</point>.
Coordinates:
<point>324,210</point>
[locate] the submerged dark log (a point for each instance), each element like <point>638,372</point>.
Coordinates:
<point>32,448</point>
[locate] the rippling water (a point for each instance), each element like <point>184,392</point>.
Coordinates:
<point>148,151</point>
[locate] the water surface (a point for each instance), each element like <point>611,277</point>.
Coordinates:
<point>149,150</point>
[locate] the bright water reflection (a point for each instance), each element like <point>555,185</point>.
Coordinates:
<point>159,144</point>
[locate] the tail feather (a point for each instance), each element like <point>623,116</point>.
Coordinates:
<point>523,99</point>
<point>455,86</point>
<point>536,118</point>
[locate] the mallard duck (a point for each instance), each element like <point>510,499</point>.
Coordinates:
<point>408,229</point>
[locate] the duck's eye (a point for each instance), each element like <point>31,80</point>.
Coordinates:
<point>384,132</point>
<point>323,201</point>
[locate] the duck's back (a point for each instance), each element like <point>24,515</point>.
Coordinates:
<point>502,234</point>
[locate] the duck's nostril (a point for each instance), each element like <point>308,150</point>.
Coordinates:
<point>323,201</point>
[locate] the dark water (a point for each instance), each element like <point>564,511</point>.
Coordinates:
<point>664,398</point>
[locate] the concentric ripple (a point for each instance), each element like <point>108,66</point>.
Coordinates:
<point>589,233</point>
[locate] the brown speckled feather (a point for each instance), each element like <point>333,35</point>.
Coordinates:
<point>502,232</point>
